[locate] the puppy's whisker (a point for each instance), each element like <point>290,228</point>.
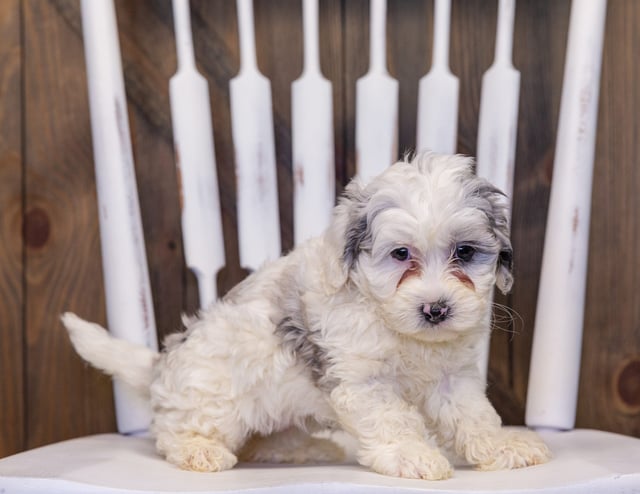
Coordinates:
<point>506,319</point>
<point>505,314</point>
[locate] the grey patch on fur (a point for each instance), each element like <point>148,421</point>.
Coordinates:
<point>299,341</point>
<point>357,229</point>
<point>356,234</point>
<point>361,216</point>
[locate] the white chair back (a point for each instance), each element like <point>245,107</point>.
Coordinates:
<point>376,136</point>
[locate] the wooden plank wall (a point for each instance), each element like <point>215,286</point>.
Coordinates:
<point>12,362</point>
<point>49,241</point>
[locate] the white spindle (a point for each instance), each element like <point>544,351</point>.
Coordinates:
<point>498,122</point>
<point>555,359</point>
<point>195,162</point>
<point>253,140</point>
<point>376,103</point>
<point>127,291</point>
<point>312,137</point>
<point>437,127</point>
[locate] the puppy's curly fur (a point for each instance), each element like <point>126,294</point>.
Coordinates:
<point>371,328</point>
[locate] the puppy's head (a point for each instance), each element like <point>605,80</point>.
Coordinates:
<point>426,241</point>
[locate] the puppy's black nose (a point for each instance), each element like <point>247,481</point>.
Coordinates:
<point>435,312</point>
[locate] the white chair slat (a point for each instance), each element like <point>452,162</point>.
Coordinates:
<point>438,93</point>
<point>557,340</point>
<point>376,104</point>
<point>195,162</point>
<point>253,141</point>
<point>498,120</point>
<point>312,138</point>
<point>127,290</point>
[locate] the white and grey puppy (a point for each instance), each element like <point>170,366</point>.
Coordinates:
<point>371,328</point>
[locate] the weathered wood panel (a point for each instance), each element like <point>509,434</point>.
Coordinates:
<point>609,394</point>
<point>51,188</point>
<point>539,46</point>
<point>149,60</point>
<point>356,64</point>
<point>62,260</point>
<point>12,423</point>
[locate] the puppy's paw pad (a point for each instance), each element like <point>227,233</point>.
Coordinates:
<point>414,462</point>
<point>207,458</point>
<point>516,450</point>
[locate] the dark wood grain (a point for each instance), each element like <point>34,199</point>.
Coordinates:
<point>63,269</point>
<point>332,62</point>
<point>49,238</point>
<point>12,421</point>
<point>539,51</point>
<point>279,30</point>
<point>409,28</point>
<point>609,394</point>
<point>149,60</point>
<point>217,51</point>
<point>356,64</point>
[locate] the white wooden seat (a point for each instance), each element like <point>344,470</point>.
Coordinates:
<point>584,460</point>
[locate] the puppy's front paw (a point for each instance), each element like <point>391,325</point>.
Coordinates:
<point>513,449</point>
<point>408,460</point>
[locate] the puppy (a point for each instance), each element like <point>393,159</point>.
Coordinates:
<point>371,328</point>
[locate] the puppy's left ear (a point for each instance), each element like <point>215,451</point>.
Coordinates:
<point>496,208</point>
<point>500,224</point>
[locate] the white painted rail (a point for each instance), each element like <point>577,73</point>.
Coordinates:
<point>312,137</point>
<point>557,341</point>
<point>376,103</point>
<point>253,141</point>
<point>130,313</point>
<point>498,121</point>
<point>437,127</point>
<point>195,162</point>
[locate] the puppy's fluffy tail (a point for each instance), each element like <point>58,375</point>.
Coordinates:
<point>128,362</point>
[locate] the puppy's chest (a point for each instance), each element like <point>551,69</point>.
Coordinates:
<point>420,372</point>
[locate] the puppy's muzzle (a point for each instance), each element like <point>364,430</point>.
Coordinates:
<point>436,312</point>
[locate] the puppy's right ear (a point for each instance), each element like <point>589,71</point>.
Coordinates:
<point>355,235</point>
<point>350,230</point>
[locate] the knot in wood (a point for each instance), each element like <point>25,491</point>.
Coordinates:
<point>627,385</point>
<point>36,228</point>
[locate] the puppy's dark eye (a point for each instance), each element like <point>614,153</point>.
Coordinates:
<point>464,252</point>
<point>401,253</point>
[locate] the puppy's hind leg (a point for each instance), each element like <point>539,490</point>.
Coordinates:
<point>291,445</point>
<point>191,451</point>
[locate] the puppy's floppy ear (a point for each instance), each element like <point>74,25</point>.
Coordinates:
<point>497,210</point>
<point>357,226</point>
<point>350,229</point>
